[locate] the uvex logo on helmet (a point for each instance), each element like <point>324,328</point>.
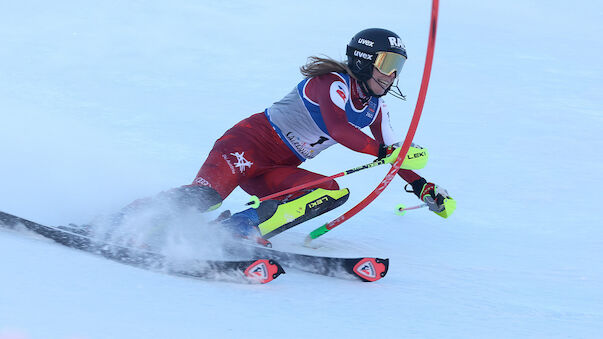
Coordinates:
<point>395,42</point>
<point>363,55</point>
<point>366,42</point>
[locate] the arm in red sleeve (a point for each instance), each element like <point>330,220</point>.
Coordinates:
<point>377,130</point>
<point>408,175</point>
<point>319,90</point>
<point>335,117</point>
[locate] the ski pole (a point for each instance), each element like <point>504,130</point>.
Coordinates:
<point>401,209</point>
<point>255,201</point>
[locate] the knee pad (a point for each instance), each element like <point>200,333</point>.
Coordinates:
<point>294,212</point>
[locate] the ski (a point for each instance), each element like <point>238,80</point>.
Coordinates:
<point>259,270</point>
<point>367,269</point>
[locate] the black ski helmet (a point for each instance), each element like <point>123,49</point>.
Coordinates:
<point>363,49</point>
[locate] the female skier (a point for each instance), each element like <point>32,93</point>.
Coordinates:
<point>261,153</point>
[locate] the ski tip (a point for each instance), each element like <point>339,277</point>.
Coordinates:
<point>371,269</point>
<point>263,271</point>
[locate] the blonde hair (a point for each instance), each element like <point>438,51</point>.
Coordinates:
<point>318,66</point>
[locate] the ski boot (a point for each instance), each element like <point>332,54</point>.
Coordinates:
<point>244,225</point>
<point>274,216</point>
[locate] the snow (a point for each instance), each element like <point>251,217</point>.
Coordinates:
<point>106,102</point>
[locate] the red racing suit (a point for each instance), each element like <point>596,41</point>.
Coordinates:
<point>261,154</point>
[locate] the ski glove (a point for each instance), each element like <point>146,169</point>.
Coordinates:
<point>436,198</point>
<point>416,158</point>
<point>388,153</point>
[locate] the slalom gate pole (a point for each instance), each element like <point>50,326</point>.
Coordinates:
<point>407,141</point>
<point>255,201</point>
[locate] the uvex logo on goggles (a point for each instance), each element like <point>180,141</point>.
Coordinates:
<point>389,62</point>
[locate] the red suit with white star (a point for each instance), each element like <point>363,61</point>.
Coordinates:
<point>261,154</point>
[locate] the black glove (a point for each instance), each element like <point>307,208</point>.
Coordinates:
<point>386,151</point>
<point>436,198</point>
<point>416,157</point>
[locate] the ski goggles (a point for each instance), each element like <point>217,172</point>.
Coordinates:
<point>389,62</point>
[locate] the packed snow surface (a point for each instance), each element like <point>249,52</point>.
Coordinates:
<point>105,102</point>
